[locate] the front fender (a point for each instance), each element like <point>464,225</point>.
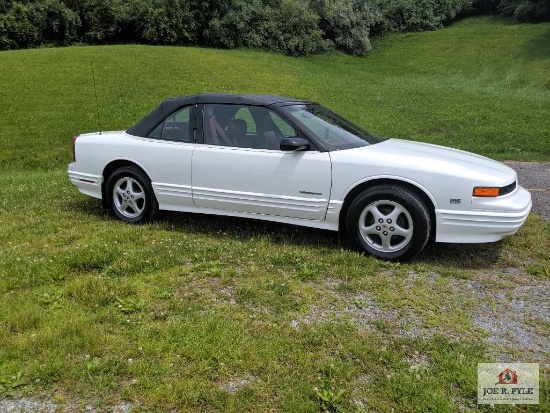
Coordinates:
<point>379,179</point>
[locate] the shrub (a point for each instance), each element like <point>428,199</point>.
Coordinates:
<point>507,7</point>
<point>168,22</point>
<point>5,6</point>
<point>485,6</point>
<point>294,27</point>
<point>102,20</point>
<point>56,24</point>
<point>347,23</point>
<point>234,23</point>
<point>420,15</point>
<point>5,41</point>
<point>38,23</point>
<point>533,11</point>
<point>17,29</point>
<point>288,26</point>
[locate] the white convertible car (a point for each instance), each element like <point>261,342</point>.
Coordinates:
<point>294,161</point>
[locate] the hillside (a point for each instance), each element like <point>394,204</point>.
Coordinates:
<point>482,85</point>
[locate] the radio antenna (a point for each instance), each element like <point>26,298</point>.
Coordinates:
<point>96,100</point>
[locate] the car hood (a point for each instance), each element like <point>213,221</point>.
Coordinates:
<point>416,156</point>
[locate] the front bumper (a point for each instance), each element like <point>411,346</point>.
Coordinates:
<point>506,216</point>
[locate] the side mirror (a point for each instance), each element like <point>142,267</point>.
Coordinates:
<point>294,144</point>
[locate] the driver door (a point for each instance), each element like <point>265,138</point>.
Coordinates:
<point>238,169</point>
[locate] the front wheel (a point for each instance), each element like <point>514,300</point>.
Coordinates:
<point>131,196</point>
<point>389,222</point>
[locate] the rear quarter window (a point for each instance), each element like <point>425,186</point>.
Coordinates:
<point>175,127</point>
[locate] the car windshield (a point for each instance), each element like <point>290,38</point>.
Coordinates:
<point>336,132</point>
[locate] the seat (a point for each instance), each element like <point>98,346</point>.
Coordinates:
<point>270,136</point>
<point>271,141</point>
<point>236,131</point>
<point>213,130</point>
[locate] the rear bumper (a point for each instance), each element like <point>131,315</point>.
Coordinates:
<point>476,226</point>
<point>86,183</point>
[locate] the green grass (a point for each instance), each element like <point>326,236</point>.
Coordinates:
<point>482,85</point>
<point>201,313</point>
<point>204,313</point>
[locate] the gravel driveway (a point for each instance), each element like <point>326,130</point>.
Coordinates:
<point>535,177</point>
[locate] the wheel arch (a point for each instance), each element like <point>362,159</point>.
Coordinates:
<point>112,166</point>
<point>420,191</point>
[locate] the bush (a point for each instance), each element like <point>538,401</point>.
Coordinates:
<point>5,6</point>
<point>287,26</point>
<point>420,15</point>
<point>47,22</point>
<point>485,6</point>
<point>17,30</point>
<point>102,20</point>
<point>56,24</point>
<point>5,40</point>
<point>294,27</point>
<point>168,22</point>
<point>234,23</point>
<point>531,11</point>
<point>507,7</point>
<point>347,23</point>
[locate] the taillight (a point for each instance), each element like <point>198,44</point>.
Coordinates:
<point>74,150</point>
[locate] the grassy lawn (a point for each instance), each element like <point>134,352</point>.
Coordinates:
<point>480,85</point>
<point>200,313</point>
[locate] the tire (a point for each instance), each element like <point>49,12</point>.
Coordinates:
<point>130,196</point>
<point>389,222</point>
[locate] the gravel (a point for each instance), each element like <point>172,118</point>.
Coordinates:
<point>517,322</point>
<point>32,405</point>
<point>535,177</point>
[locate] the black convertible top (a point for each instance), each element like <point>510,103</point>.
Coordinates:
<point>170,105</point>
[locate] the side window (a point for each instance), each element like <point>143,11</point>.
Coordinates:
<point>175,127</point>
<point>274,128</point>
<point>228,125</point>
<point>245,127</point>
<point>244,114</point>
<point>285,128</point>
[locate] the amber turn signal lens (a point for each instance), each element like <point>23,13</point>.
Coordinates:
<point>485,191</point>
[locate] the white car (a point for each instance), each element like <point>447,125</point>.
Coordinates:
<point>293,161</point>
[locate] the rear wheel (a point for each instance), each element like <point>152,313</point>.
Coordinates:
<point>389,222</point>
<point>131,196</point>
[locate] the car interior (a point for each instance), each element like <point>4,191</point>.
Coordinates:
<point>242,126</point>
